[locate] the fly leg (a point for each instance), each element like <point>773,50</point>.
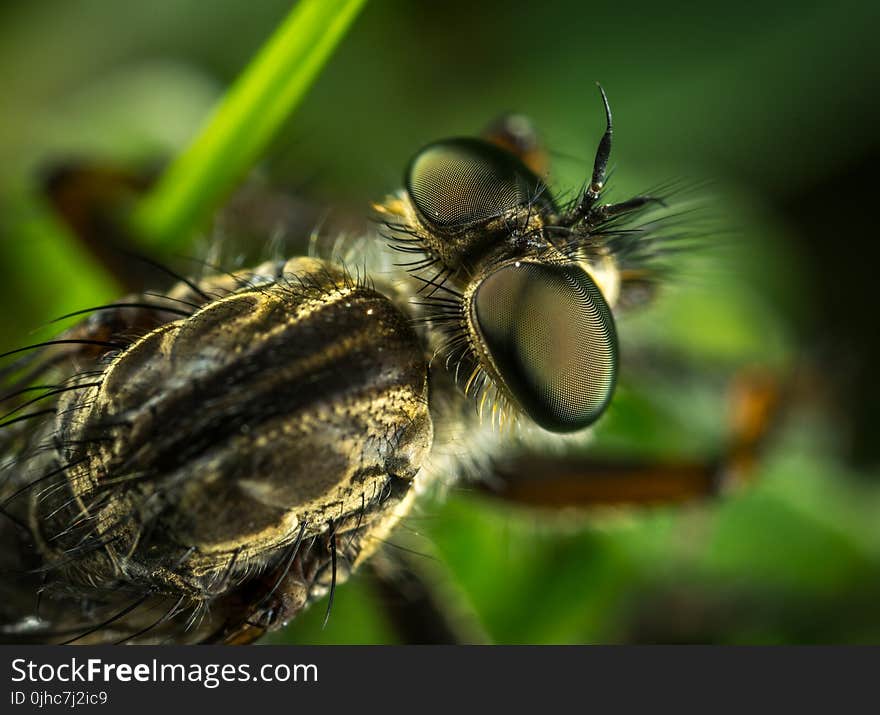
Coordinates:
<point>561,481</point>
<point>418,602</point>
<point>516,134</point>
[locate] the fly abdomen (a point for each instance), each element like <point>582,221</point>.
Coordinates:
<point>270,416</point>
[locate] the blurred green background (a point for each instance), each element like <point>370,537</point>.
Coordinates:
<point>772,105</point>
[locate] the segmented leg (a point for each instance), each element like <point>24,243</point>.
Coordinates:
<point>560,481</point>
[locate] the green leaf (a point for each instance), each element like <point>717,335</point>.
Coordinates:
<point>244,123</point>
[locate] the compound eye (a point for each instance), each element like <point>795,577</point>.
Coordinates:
<point>458,182</point>
<point>551,338</point>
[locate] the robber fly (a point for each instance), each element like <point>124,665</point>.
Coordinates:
<point>201,465</point>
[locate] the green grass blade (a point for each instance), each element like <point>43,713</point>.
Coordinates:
<point>244,123</point>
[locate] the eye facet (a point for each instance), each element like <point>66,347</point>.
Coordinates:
<point>552,341</point>
<point>458,182</point>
